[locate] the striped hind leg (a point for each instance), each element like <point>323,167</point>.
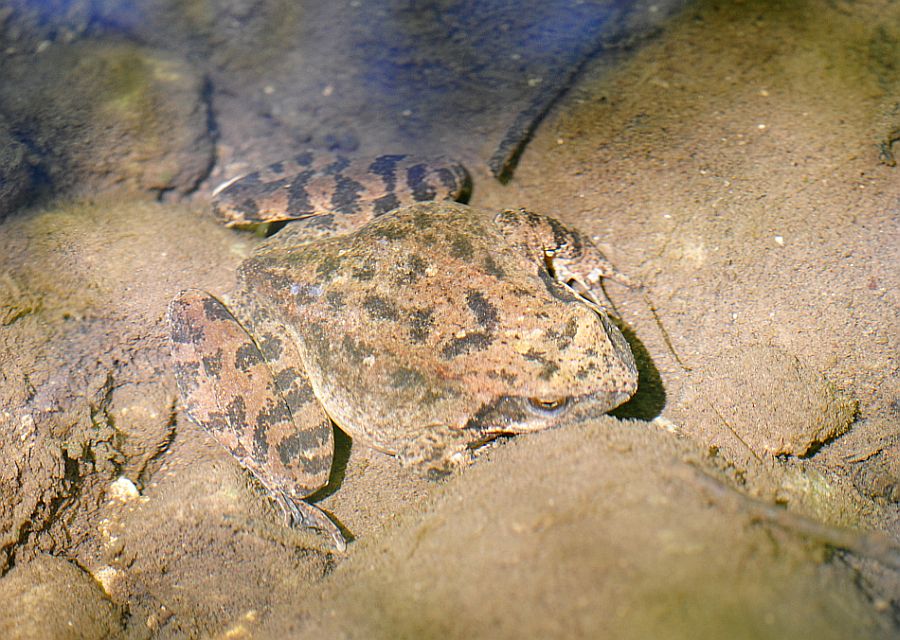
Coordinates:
<point>252,396</point>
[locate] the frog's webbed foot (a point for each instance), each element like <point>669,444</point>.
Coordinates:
<point>588,270</point>
<point>569,256</point>
<point>304,515</point>
<point>576,262</point>
<point>589,285</point>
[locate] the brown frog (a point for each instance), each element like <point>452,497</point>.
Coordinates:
<point>423,331</point>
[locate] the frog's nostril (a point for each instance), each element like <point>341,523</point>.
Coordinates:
<point>548,407</point>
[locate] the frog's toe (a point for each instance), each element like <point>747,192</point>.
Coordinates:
<point>307,516</point>
<point>438,449</point>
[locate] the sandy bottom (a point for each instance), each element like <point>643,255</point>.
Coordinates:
<point>739,166</point>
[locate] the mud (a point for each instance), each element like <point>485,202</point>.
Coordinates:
<point>52,598</point>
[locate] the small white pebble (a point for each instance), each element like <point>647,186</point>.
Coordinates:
<point>268,89</point>
<point>123,490</point>
<point>328,90</point>
<point>734,316</point>
<point>760,126</point>
<point>779,240</point>
<point>533,82</point>
<point>560,141</point>
<point>237,631</point>
<point>107,577</point>
<point>406,113</point>
<point>43,46</point>
<point>764,93</point>
<point>665,423</point>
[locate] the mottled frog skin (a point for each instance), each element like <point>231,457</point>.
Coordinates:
<point>339,192</point>
<point>422,331</point>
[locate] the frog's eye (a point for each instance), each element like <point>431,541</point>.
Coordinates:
<point>548,407</point>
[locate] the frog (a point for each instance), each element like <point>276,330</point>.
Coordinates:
<point>416,324</point>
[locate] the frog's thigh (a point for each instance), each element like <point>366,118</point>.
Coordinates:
<point>270,422</point>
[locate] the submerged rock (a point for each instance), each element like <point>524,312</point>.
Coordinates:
<point>777,404</point>
<point>15,173</point>
<point>52,598</point>
<point>100,115</point>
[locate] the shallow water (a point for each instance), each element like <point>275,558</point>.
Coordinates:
<point>736,159</point>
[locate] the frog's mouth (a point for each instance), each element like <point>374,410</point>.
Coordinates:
<point>523,414</point>
<point>518,414</point>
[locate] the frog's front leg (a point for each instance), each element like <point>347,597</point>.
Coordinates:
<point>254,399</point>
<point>436,449</point>
<point>571,257</point>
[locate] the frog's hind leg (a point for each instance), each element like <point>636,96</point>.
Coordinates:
<point>344,192</point>
<point>252,397</point>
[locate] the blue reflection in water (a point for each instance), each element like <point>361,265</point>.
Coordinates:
<point>439,64</point>
<point>93,16</point>
<point>413,46</point>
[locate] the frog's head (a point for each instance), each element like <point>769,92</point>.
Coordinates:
<point>585,365</point>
